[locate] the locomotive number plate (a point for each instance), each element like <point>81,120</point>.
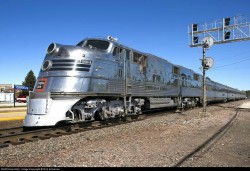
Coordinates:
<point>87,62</point>
<point>41,84</point>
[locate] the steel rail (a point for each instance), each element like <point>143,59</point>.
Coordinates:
<point>17,135</point>
<point>30,136</point>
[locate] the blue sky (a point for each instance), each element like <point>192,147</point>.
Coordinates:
<point>159,27</point>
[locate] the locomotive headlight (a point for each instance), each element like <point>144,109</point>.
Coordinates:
<point>46,65</point>
<point>51,48</point>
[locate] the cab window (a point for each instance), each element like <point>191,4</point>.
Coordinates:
<point>95,44</point>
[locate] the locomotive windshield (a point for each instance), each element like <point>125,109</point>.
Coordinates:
<point>94,44</point>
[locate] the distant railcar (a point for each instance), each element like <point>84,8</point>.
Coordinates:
<point>103,79</point>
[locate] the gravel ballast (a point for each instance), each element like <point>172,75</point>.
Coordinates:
<point>160,141</point>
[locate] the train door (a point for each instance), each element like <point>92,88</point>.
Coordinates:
<point>126,56</point>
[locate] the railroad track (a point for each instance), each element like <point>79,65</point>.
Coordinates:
<point>17,135</point>
<point>13,130</point>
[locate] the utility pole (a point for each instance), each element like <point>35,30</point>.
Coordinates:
<point>14,95</point>
<point>206,64</point>
<point>204,81</point>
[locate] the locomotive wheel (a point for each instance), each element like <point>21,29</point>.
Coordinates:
<point>99,115</point>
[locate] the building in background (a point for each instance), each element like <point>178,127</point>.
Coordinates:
<point>7,93</point>
<point>7,97</point>
<point>6,88</point>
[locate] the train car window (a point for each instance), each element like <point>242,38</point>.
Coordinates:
<point>127,54</point>
<point>114,51</point>
<point>141,60</point>
<point>97,44</point>
<point>196,77</point>
<point>156,78</point>
<point>176,70</point>
<point>144,64</point>
<point>175,82</point>
<point>145,61</point>
<point>183,83</point>
<point>183,75</point>
<point>120,73</point>
<point>136,57</point>
<point>209,88</point>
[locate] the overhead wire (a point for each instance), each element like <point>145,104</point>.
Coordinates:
<point>234,56</point>
<point>228,58</point>
<point>231,63</point>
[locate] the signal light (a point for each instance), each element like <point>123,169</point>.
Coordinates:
<point>196,39</point>
<point>227,35</point>
<point>226,21</point>
<point>195,27</point>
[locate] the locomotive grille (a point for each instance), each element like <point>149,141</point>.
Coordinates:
<point>70,65</point>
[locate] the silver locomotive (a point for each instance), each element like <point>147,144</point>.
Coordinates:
<point>103,79</point>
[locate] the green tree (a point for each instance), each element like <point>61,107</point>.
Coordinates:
<point>248,93</point>
<point>29,81</point>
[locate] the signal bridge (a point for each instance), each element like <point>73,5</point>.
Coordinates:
<point>225,30</point>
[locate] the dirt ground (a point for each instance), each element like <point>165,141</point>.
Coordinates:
<point>189,139</point>
<point>9,124</point>
<point>232,148</point>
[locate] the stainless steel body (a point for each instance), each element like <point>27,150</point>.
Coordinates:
<point>100,78</point>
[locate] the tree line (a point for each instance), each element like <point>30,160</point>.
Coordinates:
<point>248,93</point>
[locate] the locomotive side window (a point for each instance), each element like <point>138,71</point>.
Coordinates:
<point>156,78</point>
<point>120,74</point>
<point>176,70</point>
<point>141,60</point>
<point>209,88</point>
<point>196,77</point>
<point>183,75</point>
<point>144,63</point>
<point>115,51</point>
<point>127,54</point>
<point>136,57</point>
